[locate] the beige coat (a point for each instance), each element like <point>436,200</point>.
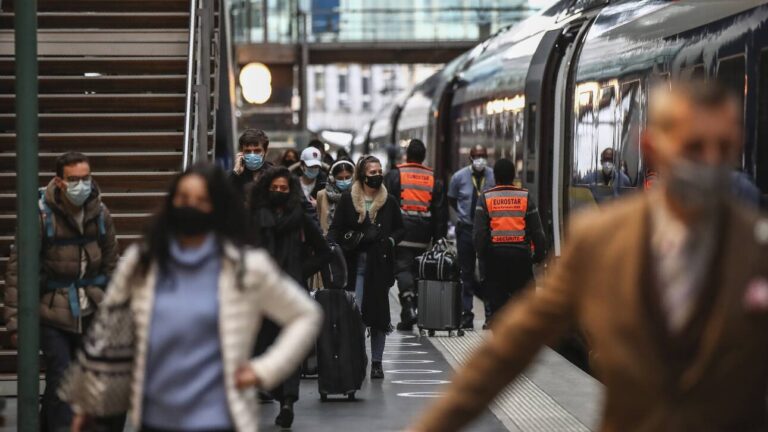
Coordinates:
<point>266,292</point>
<point>711,377</point>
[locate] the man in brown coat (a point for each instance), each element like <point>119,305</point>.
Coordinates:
<point>670,287</point>
<point>78,254</point>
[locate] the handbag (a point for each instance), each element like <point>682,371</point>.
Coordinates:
<point>99,381</point>
<point>351,240</point>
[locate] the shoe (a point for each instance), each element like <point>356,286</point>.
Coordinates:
<point>407,314</point>
<point>468,321</point>
<point>486,325</point>
<point>377,372</point>
<point>285,418</point>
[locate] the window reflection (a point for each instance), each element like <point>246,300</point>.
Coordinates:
<point>631,125</point>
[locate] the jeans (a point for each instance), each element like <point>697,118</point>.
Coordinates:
<point>378,337</point>
<point>467,258</point>
<point>404,257</point>
<point>59,351</point>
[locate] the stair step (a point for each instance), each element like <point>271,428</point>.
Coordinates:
<point>104,20</point>
<point>123,240</point>
<point>103,65</point>
<point>101,141</point>
<point>107,181</point>
<point>125,223</point>
<point>99,103</point>
<point>109,84</point>
<point>116,202</point>
<point>106,161</point>
<point>102,122</point>
<point>104,6</point>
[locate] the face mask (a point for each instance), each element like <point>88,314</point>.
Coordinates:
<point>78,192</point>
<point>277,198</point>
<point>311,173</point>
<point>344,184</point>
<point>253,161</point>
<point>191,221</point>
<point>608,168</point>
<point>479,164</point>
<point>698,187</point>
<point>375,181</point>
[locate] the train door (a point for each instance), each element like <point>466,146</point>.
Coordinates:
<point>445,148</point>
<point>547,97</point>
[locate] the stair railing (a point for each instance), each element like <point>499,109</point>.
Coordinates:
<point>197,112</point>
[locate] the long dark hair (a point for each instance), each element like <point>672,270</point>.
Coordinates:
<point>227,212</point>
<point>362,166</point>
<point>260,194</point>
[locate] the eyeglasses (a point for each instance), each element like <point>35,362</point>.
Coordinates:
<point>75,179</point>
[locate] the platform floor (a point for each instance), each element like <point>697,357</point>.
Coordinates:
<point>552,395</point>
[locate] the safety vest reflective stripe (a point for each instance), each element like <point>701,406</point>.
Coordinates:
<point>507,208</point>
<point>416,184</point>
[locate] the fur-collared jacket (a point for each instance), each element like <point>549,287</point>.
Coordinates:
<point>382,229</point>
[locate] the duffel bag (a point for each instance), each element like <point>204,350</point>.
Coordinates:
<point>438,264</point>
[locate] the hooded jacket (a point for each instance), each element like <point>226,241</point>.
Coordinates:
<point>62,262</point>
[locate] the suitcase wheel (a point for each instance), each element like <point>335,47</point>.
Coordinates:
<point>431,333</point>
<point>324,397</point>
<point>460,332</point>
<point>351,396</point>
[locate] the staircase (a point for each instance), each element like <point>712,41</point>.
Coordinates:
<point>113,80</point>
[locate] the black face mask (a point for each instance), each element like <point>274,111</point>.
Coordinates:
<point>375,181</point>
<point>191,221</point>
<point>277,198</point>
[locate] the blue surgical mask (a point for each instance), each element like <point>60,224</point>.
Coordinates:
<point>344,184</point>
<point>311,173</point>
<point>79,191</point>
<point>253,161</point>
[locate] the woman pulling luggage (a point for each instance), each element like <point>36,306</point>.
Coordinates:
<point>279,224</point>
<point>175,333</point>
<point>367,224</point>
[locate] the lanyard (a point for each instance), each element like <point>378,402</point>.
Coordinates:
<point>478,189</point>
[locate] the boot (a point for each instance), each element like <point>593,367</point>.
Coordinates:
<point>468,321</point>
<point>285,418</point>
<point>377,372</point>
<point>408,317</point>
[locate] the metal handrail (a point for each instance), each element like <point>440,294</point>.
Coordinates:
<point>190,81</point>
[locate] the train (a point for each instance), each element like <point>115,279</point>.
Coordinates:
<point>554,91</point>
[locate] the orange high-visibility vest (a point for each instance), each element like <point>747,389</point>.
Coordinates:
<point>416,185</point>
<point>507,207</point>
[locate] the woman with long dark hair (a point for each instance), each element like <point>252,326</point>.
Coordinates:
<point>279,224</point>
<point>367,224</point>
<point>196,300</point>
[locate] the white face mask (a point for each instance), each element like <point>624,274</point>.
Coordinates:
<point>608,168</point>
<point>479,164</point>
<point>78,192</point>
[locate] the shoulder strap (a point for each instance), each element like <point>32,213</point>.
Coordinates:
<point>49,230</point>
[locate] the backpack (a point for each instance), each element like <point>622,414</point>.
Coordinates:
<point>49,224</point>
<point>334,273</point>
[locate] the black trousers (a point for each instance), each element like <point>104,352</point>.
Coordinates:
<point>406,282</point>
<point>288,389</point>
<point>508,271</point>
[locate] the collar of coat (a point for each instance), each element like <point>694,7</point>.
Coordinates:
<point>358,199</point>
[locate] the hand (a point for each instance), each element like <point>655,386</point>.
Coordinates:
<point>14,338</point>
<point>245,377</point>
<point>312,201</point>
<point>239,166</point>
<point>80,422</point>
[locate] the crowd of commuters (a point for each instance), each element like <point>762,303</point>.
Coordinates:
<point>242,251</point>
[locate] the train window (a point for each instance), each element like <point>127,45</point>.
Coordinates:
<point>584,152</point>
<point>631,126</point>
<point>606,120</point>
<point>762,124</point>
<point>731,73</point>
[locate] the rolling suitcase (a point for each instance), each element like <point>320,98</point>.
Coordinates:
<point>341,358</point>
<point>440,307</point>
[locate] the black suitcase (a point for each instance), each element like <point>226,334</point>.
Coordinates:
<point>440,307</point>
<point>438,264</point>
<point>341,358</point>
